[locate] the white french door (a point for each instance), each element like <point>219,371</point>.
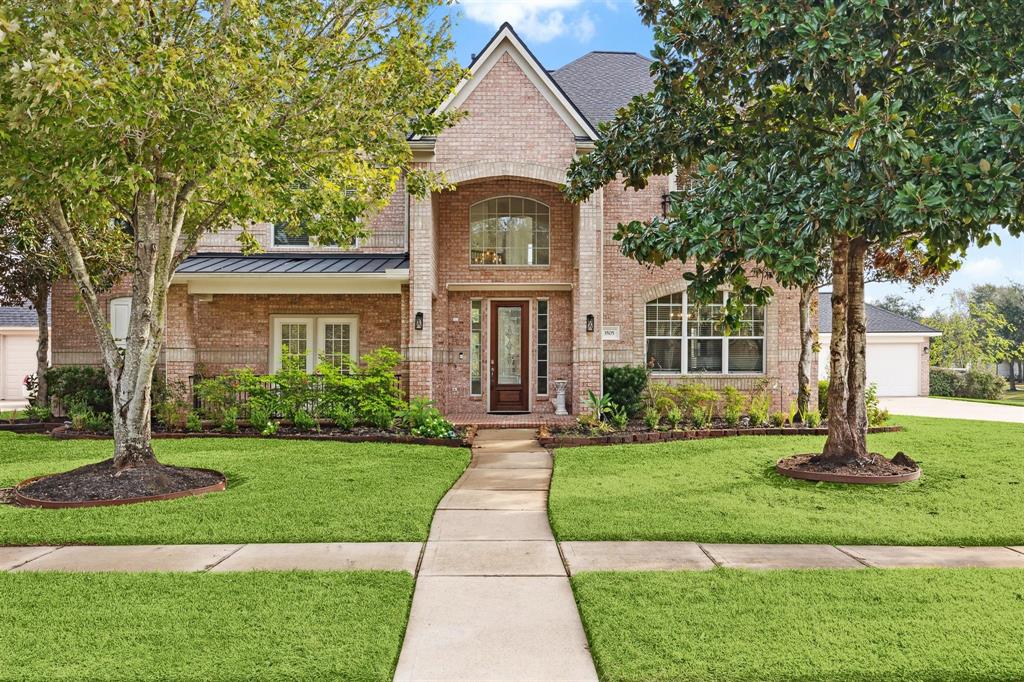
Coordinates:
<point>312,338</point>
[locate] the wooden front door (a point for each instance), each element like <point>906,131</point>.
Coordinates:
<point>510,364</point>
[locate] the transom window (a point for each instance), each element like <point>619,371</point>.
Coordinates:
<point>509,231</point>
<point>707,349</point>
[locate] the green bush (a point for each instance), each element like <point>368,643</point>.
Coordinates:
<point>652,418</point>
<point>945,382</point>
<point>259,417</point>
<point>343,417</point>
<point>876,415</point>
<point>193,423</point>
<point>701,417</point>
<point>760,405</point>
<point>98,422</point>
<point>423,419</point>
<point>618,417</point>
<point>777,419</point>
<point>812,419</point>
<point>674,417</point>
<point>304,421</point>
<point>229,420</point>
<point>823,398</point>
<point>376,413</point>
<point>733,402</point>
<point>34,413</point>
<point>983,385</point>
<point>84,386</point>
<point>218,395</point>
<point>625,386</point>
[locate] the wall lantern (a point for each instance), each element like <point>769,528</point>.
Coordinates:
<point>418,324</point>
<point>590,323</point>
<point>666,202</point>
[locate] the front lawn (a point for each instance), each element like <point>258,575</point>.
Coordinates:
<point>949,624</point>
<point>278,491</point>
<point>726,490</point>
<point>176,626</point>
<point>1015,398</point>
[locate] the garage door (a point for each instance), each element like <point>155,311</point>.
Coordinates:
<point>17,359</point>
<point>893,367</point>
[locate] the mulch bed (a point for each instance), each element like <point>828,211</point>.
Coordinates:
<point>356,435</point>
<point>25,426</point>
<point>102,484</point>
<point>875,469</point>
<point>561,440</point>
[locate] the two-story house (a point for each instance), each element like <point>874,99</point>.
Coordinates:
<point>492,291</point>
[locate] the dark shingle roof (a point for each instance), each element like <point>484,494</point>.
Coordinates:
<point>601,83</point>
<point>879,321</point>
<point>293,263</point>
<point>18,316</point>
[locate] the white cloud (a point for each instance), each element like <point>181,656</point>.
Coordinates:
<point>539,21</point>
<point>983,267</point>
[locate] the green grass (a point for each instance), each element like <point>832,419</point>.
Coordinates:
<point>1015,398</point>
<point>726,490</point>
<point>278,491</point>
<point>175,626</point>
<point>913,625</point>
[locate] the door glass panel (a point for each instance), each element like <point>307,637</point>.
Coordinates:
<point>510,347</point>
<point>295,342</point>
<point>337,343</point>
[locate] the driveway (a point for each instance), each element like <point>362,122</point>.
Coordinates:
<point>953,409</point>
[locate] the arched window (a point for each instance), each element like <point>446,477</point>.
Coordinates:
<point>695,342</point>
<point>508,231</point>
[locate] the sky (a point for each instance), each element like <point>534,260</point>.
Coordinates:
<point>558,31</point>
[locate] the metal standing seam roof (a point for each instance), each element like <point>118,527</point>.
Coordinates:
<point>293,264</point>
<point>879,321</point>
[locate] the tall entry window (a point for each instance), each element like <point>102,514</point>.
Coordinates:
<point>696,343</point>
<point>475,347</point>
<point>509,231</point>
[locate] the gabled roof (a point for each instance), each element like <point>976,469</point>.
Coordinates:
<point>880,321</point>
<point>18,316</point>
<point>293,264</point>
<point>601,83</point>
<point>505,40</point>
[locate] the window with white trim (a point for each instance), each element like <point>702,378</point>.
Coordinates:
<point>542,347</point>
<point>331,339</point>
<point>120,319</point>
<point>509,231</point>
<point>476,325</point>
<point>708,350</point>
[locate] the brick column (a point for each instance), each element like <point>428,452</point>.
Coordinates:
<point>179,349</point>
<point>422,283</point>
<point>587,300</point>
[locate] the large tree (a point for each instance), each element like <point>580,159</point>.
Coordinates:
<point>842,128</point>
<point>1008,301</point>
<point>974,334</point>
<point>169,119</point>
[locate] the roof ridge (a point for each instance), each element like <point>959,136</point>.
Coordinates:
<point>587,54</point>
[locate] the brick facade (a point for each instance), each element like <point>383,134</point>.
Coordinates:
<point>512,141</point>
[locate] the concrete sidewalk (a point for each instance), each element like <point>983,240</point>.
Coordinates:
<point>493,600</point>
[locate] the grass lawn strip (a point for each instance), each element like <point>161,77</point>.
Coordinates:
<point>242,626</point>
<point>726,490</point>
<point>727,625</point>
<point>278,491</point>
<point>1009,398</point>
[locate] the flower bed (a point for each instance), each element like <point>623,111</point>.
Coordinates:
<point>576,438</point>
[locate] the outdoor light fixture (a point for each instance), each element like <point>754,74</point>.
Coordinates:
<point>666,201</point>
<point>590,323</point>
<point>418,324</point>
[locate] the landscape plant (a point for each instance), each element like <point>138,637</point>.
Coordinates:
<point>810,129</point>
<point>733,403</point>
<point>423,419</point>
<point>163,121</point>
<point>625,385</point>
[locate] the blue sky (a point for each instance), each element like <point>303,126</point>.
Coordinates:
<point>559,31</point>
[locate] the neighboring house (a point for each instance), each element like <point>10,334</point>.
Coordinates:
<point>897,349</point>
<point>19,337</point>
<point>493,290</point>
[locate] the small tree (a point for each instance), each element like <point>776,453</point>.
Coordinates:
<point>1008,301</point>
<point>28,267</point>
<point>822,128</point>
<point>167,120</point>
<point>973,334</point>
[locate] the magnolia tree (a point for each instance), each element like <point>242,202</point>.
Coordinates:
<point>816,134</point>
<point>165,120</point>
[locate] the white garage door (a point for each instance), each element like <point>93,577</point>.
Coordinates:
<point>17,359</point>
<point>893,367</point>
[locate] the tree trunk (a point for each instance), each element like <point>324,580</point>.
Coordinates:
<point>42,346</point>
<point>803,396</point>
<point>1013,375</point>
<point>847,422</point>
<point>132,425</point>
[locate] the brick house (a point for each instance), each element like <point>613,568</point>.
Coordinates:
<point>492,291</point>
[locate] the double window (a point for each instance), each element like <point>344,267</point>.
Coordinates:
<point>509,231</point>
<point>686,337</point>
<point>284,236</point>
<point>310,339</point>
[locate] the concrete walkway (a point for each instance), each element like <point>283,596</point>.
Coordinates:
<point>492,600</point>
<point>953,409</point>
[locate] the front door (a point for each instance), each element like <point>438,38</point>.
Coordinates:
<point>510,331</point>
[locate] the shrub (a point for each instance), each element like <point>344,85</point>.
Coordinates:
<point>423,419</point>
<point>812,419</point>
<point>876,415</point>
<point>945,382</point>
<point>760,405</point>
<point>98,422</point>
<point>193,423</point>
<point>625,386</point>
<point>658,397</point>
<point>674,417</point>
<point>823,397</point>
<point>618,417</point>
<point>229,420</point>
<point>598,406</point>
<point>304,421</point>
<point>701,417</point>
<point>343,417</point>
<point>778,419</point>
<point>83,386</point>
<point>171,410</point>
<point>733,402</point>
<point>297,391</point>
<point>652,418</point>
<point>36,413</point>
<point>217,396</point>
<point>259,417</point>
<point>376,413</point>
<point>983,385</point>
